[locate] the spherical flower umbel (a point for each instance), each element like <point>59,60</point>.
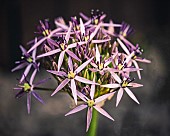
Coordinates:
<point>89,60</point>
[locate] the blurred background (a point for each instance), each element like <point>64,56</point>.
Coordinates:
<point>151,21</point>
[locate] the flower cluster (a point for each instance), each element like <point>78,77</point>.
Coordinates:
<point>91,60</point>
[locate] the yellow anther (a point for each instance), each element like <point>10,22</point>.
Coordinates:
<point>96,21</point>
<point>90,103</point>
<point>71,74</point>
<point>86,38</point>
<point>46,32</point>
<point>101,66</point>
<point>120,66</point>
<point>62,45</point>
<point>30,60</point>
<point>125,84</point>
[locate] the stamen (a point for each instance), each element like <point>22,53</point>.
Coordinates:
<point>71,74</point>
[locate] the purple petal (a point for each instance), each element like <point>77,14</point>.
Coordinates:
<point>58,73</point>
<point>20,93</point>
<point>37,97</point>
<point>103,112</point>
<point>74,91</point>
<point>70,63</point>
<point>77,109</point>
<point>97,54</point>
<point>111,24</point>
<point>84,80</point>
<point>28,102</point>
<point>75,44</point>
<point>119,96</point>
<point>100,41</point>
<point>25,72</point>
<point>41,81</point>
<point>73,55</point>
<point>93,69</point>
<point>123,46</point>
<point>62,84</point>
<point>33,76</point>
<point>82,28</point>
<point>82,96</point>
<point>129,57</point>
<point>24,51</point>
<point>103,97</point>
<point>95,31</point>
<point>116,77</point>
<point>129,92</point>
<point>20,66</point>
<point>68,33</point>
<point>84,16</point>
<point>49,53</point>
<point>60,60</point>
<point>134,85</point>
<point>61,25</point>
<point>89,117</point>
<point>130,69</point>
<point>82,66</point>
<point>36,44</point>
<point>143,60</point>
<point>111,85</point>
<point>34,51</point>
<point>92,91</point>
<point>137,66</point>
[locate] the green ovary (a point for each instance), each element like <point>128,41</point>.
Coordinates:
<point>90,103</point>
<point>27,87</point>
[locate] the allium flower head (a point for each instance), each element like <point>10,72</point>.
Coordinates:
<point>91,60</point>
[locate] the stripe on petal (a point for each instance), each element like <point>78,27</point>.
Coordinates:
<point>49,53</point>
<point>129,92</point>
<point>58,73</point>
<point>89,117</point>
<point>60,59</point>
<point>92,91</point>
<point>37,97</point>
<point>25,72</point>
<point>84,80</point>
<point>77,109</point>
<point>74,91</point>
<point>37,44</point>
<point>103,112</point>
<point>63,83</point>
<point>123,46</point>
<point>82,66</point>
<point>119,96</point>
<point>103,97</point>
<point>73,55</point>
<point>137,66</point>
<point>28,102</point>
<point>111,85</point>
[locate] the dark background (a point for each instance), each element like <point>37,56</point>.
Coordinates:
<point>151,20</point>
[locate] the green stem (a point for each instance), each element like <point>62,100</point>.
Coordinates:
<point>93,126</point>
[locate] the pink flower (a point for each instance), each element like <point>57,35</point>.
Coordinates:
<point>71,76</point>
<point>90,104</point>
<point>122,86</point>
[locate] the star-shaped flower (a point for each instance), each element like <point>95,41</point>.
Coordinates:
<point>28,88</point>
<point>28,60</point>
<point>91,103</point>
<point>123,85</point>
<point>71,76</point>
<point>100,66</point>
<point>133,56</point>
